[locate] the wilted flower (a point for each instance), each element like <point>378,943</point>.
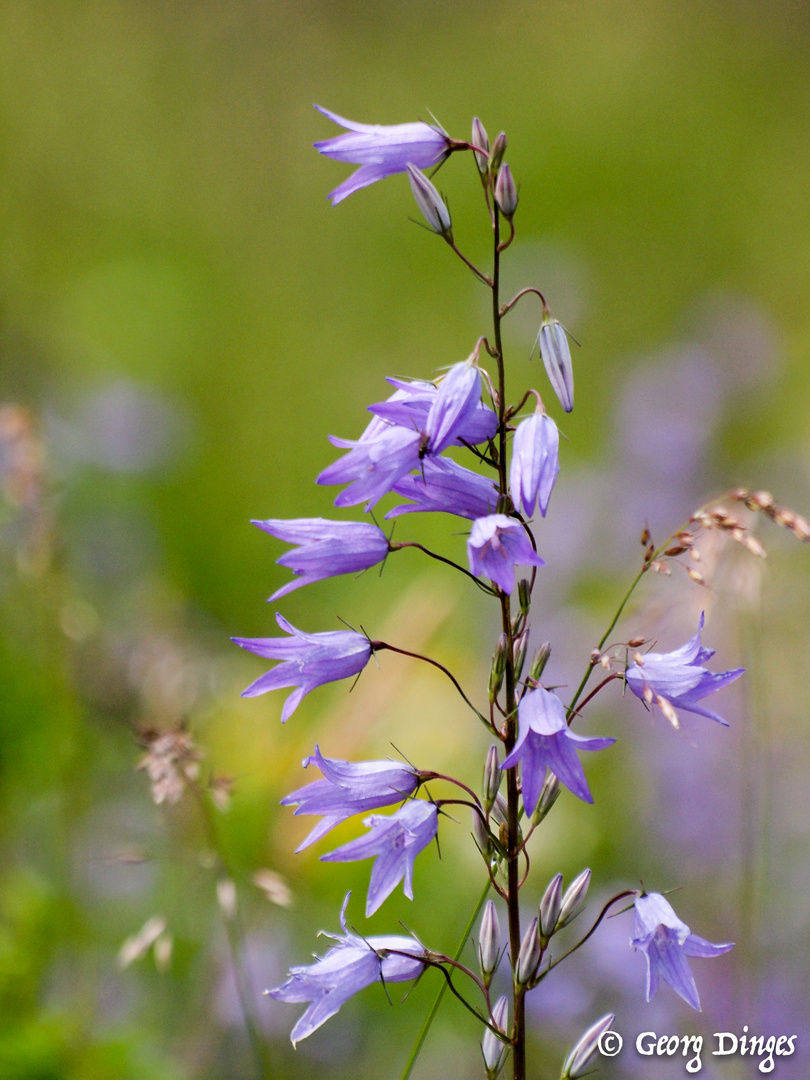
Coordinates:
<point>350,788</point>
<point>498,544</point>
<point>545,740</point>
<point>327,548</point>
<point>666,943</point>
<point>351,965</point>
<point>309,660</point>
<point>381,150</point>
<point>431,204</point>
<point>395,840</point>
<point>171,762</point>
<point>556,357</point>
<point>535,465</point>
<point>677,680</point>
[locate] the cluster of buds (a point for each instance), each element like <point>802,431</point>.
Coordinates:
<point>556,910</point>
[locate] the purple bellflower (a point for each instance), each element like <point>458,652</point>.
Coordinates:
<point>545,741</point>
<point>349,788</point>
<point>308,660</point>
<point>410,405</point>
<point>327,548</point>
<point>352,964</point>
<point>381,150</point>
<point>373,466</point>
<point>666,943</point>
<point>676,680</point>
<point>443,485</point>
<point>395,840</point>
<point>535,465</point>
<point>498,544</point>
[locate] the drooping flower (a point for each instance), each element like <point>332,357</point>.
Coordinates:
<point>381,150</point>
<point>395,840</point>
<point>546,741</point>
<point>535,465</point>
<point>308,660</point>
<point>498,544</point>
<point>350,788</point>
<point>442,485</point>
<point>556,356</point>
<point>666,943</point>
<point>676,680</point>
<point>327,548</point>
<point>373,466</point>
<point>352,964</point>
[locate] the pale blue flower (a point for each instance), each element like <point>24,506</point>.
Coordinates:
<point>535,463</point>
<point>498,544</point>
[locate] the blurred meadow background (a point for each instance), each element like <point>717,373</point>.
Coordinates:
<point>183,320</point>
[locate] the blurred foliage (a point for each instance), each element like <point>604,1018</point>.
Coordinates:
<point>183,319</point>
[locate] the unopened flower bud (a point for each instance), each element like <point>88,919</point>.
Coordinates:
<point>556,357</point>
<point>549,793</point>
<point>550,906</point>
<point>525,596</point>
<point>498,667</point>
<point>489,942</point>
<point>519,652</point>
<point>431,204</point>
<point>584,1053</point>
<point>483,840</point>
<point>506,195</point>
<point>492,778</point>
<point>497,152</point>
<point>540,661</point>
<point>480,139</point>
<point>493,1049</point>
<point>574,898</point>
<point>529,955</point>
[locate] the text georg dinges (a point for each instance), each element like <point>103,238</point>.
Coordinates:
<point>766,1049</point>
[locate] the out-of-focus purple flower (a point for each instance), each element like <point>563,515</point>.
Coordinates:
<point>308,660</point>
<point>443,485</point>
<point>676,680</point>
<point>372,467</point>
<point>350,788</point>
<point>430,202</point>
<point>395,840</point>
<point>556,357</point>
<point>666,942</point>
<point>327,548</point>
<point>351,965</point>
<point>497,544</point>
<point>535,465</point>
<point>545,741</point>
<point>381,150</point>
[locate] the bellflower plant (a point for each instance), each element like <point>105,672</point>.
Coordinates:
<point>511,462</point>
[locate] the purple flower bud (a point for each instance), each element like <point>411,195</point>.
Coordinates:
<point>550,906</point>
<point>535,463</point>
<point>431,204</point>
<point>497,152</point>
<point>492,778</point>
<point>480,139</point>
<point>381,150</point>
<point>540,661</point>
<point>574,898</point>
<point>529,955</point>
<point>498,544</point>
<point>583,1055</point>
<point>506,195</point>
<point>489,942</point>
<point>521,644</point>
<point>309,660</point>
<point>549,793</point>
<point>557,361</point>
<point>395,841</point>
<point>493,1048</point>
<point>327,548</point>
<point>482,838</point>
<point>498,668</point>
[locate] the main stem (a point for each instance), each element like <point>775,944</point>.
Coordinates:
<point>512,797</point>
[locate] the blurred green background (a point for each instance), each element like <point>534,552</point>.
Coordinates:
<point>184,318</point>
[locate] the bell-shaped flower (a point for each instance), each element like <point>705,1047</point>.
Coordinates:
<point>327,548</point>
<point>352,964</point>
<point>410,405</point>
<point>381,150</point>
<point>442,485</point>
<point>395,841</point>
<point>456,403</point>
<point>556,356</point>
<point>535,463</point>
<point>350,788</point>
<point>676,680</point>
<point>372,467</point>
<point>666,943</point>
<point>546,741</point>
<point>308,660</point>
<point>498,544</point>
